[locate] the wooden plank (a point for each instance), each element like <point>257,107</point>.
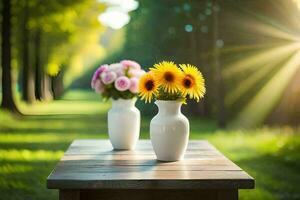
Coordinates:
<point>99,151</point>
<point>150,175</point>
<point>148,184</point>
<point>148,157</point>
<point>141,145</point>
<point>87,161</point>
<point>140,163</point>
<point>153,180</point>
<point>96,168</point>
<point>91,164</point>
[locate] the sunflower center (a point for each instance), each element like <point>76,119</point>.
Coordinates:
<point>168,76</point>
<point>188,82</point>
<point>149,85</point>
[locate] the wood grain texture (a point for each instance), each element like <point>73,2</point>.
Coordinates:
<point>92,164</point>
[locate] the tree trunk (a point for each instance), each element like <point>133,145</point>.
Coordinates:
<point>28,75</point>
<point>58,85</point>
<point>38,68</point>
<point>47,93</point>
<point>46,88</point>
<point>218,73</point>
<point>7,91</point>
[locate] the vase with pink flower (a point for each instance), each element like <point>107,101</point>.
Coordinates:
<point>119,82</point>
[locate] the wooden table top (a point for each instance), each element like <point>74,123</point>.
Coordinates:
<point>92,164</point>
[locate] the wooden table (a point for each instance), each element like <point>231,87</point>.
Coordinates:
<point>90,169</point>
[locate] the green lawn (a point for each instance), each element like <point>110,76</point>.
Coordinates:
<point>31,146</point>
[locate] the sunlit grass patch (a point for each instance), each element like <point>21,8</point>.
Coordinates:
<point>6,119</point>
<point>73,102</point>
<point>27,155</point>
<point>65,107</point>
<point>9,138</point>
<point>270,141</point>
<point>15,168</point>
<point>30,138</point>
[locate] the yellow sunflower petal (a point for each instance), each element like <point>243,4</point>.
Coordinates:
<point>148,87</point>
<point>192,83</point>
<point>168,76</point>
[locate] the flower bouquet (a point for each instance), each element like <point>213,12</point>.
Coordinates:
<point>119,82</point>
<point>170,85</point>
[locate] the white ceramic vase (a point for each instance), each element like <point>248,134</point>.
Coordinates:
<point>169,131</point>
<point>124,124</point>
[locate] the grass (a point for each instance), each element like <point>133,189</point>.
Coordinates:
<point>31,146</point>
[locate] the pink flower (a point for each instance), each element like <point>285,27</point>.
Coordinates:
<point>97,74</point>
<point>120,72</point>
<point>117,68</point>
<point>99,87</point>
<point>130,64</point>
<point>122,83</point>
<point>136,73</point>
<point>134,85</point>
<point>108,77</point>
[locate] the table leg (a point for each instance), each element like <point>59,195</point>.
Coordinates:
<point>69,195</point>
<point>228,195</point>
<point>225,194</point>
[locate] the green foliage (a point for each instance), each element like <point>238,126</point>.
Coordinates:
<point>112,92</point>
<point>162,95</point>
<point>69,32</point>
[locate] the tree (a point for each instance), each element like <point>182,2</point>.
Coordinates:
<point>28,92</point>
<point>8,102</point>
<point>39,71</point>
<point>58,84</point>
<point>59,34</point>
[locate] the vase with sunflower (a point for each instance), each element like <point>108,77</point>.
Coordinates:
<point>170,85</point>
<point>119,82</point>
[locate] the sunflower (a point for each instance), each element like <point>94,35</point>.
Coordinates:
<point>148,87</point>
<point>168,76</point>
<point>192,83</point>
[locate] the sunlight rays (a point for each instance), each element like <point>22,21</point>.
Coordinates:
<point>251,81</point>
<point>297,2</point>
<point>270,27</point>
<point>239,48</point>
<point>258,59</point>
<point>273,32</point>
<point>263,102</point>
<point>278,34</point>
